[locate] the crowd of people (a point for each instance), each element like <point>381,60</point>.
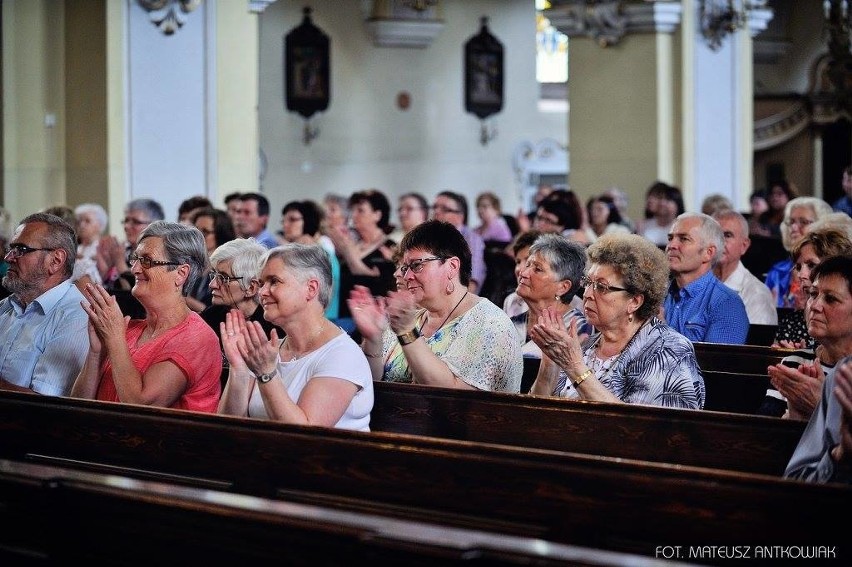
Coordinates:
<point>218,312</point>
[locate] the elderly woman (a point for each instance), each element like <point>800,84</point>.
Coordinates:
<point>634,357</point>
<point>435,331</point>
<point>317,375</point>
<point>799,213</point>
<point>169,359</point>
<point>91,222</point>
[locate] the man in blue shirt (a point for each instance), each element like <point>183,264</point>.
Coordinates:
<point>844,203</point>
<point>698,305</point>
<point>43,329</point>
<point>252,218</point>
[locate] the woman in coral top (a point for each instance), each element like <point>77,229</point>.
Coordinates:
<point>169,359</point>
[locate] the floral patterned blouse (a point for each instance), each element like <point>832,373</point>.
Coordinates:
<point>479,346</point>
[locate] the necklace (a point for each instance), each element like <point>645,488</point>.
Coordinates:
<point>450,314</point>
<point>308,345</point>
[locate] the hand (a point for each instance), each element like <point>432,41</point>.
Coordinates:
<point>105,317</point>
<point>230,334</point>
<point>259,353</point>
<point>523,221</point>
<point>368,313</point>
<point>801,386</point>
<point>402,311</point>
<point>790,345</point>
<point>558,343</point>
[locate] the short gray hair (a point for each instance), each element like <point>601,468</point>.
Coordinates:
<point>152,209</point>
<point>732,214</point>
<point>817,205</point>
<point>710,232</point>
<point>247,255</point>
<point>567,259</point>
<point>97,211</point>
<point>307,261</point>
<point>60,236</point>
<point>183,244</point>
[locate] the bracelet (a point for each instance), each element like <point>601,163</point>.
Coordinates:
<point>582,378</point>
<point>409,337</point>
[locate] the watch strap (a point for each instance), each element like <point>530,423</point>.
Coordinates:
<point>409,337</point>
<point>264,378</point>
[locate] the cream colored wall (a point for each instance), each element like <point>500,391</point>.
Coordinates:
<point>617,131</point>
<point>116,119</point>
<point>366,141</point>
<point>33,83</point>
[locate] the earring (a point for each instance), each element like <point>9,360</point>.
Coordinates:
<point>451,286</point>
<point>630,317</point>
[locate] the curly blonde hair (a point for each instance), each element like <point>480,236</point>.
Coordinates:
<point>640,263</point>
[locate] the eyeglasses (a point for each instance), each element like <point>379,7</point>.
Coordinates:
<point>148,263</point>
<point>223,279</point>
<point>443,209</point>
<point>800,222</point>
<point>409,209</point>
<point>599,287</point>
<point>135,222</point>
<point>292,219</point>
<point>416,266</point>
<point>18,250</point>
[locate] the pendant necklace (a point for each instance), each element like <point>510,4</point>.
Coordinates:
<point>450,314</point>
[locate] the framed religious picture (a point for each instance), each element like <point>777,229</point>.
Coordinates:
<point>483,73</point>
<point>307,68</point>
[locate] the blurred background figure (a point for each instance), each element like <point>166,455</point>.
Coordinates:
<point>757,206</point>
<point>769,223</point>
<point>663,202</point>
<point>91,223</point>
<point>493,227</point>
<point>604,217</point>
<point>412,209</point>
<point>190,206</point>
<point>622,203</point>
<point>715,203</point>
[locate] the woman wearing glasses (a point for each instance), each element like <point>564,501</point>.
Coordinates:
<point>171,357</point>
<point>317,375</point>
<point>634,357</point>
<point>434,331</point>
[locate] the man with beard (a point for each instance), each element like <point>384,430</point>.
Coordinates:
<point>43,328</point>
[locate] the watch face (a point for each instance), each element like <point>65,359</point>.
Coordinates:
<point>264,378</point>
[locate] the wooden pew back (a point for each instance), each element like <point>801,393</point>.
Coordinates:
<point>607,503</point>
<point>698,438</point>
<point>737,359</point>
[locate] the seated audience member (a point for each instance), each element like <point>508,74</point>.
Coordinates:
<point>43,339</point>
<point>621,202</point>
<point>451,207</point>
<point>799,214</point>
<point>412,209</point>
<point>715,203</point>
<point>252,218</point>
<point>217,228</point>
<point>493,227</point>
<point>844,203</point>
<point>698,305</point>
<point>514,304</point>
<point>6,230</point>
<point>778,198</point>
<point>435,331</point>
<point>317,375</point>
<point>232,205</point>
<point>824,452</point>
<point>189,207</point>
<point>758,300</point>
<point>807,253</point>
<point>91,223</point>
<point>550,278</point>
<point>365,253</point>
<point>300,222</point>
<point>663,204</point>
<point>797,379</point>
<point>113,257</point>
<point>634,357</point>
<point>604,217</point>
<point>169,359</point>
<point>561,212</point>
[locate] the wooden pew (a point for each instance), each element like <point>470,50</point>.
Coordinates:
<point>60,516</point>
<point>699,438</point>
<point>734,392</point>
<point>737,359</point>
<point>601,502</point>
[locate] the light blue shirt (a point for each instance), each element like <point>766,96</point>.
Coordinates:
<point>707,310</point>
<point>43,346</point>
<point>267,239</point>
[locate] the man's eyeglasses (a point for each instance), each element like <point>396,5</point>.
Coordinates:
<point>599,287</point>
<point>148,263</point>
<point>416,266</point>
<point>223,279</point>
<point>135,222</point>
<point>18,250</point>
<point>443,209</point>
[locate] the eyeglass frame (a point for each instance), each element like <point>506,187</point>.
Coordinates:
<point>222,278</point>
<point>444,209</point>
<point>416,266</point>
<point>600,287</point>
<point>17,250</point>
<point>150,261</point>
<point>800,222</point>
<point>134,222</point>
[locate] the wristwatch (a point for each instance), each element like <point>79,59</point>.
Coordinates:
<point>409,337</point>
<point>264,378</point>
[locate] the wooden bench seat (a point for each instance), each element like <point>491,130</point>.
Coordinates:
<point>60,516</point>
<point>601,502</point>
<point>737,359</point>
<point>699,438</point>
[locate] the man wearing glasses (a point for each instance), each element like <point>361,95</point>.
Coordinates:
<point>451,207</point>
<point>43,328</point>
<point>698,305</point>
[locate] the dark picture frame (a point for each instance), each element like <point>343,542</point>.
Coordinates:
<point>307,68</point>
<point>483,73</point>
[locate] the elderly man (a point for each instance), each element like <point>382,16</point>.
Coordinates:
<point>43,328</point>
<point>758,300</point>
<point>698,305</point>
<point>451,207</point>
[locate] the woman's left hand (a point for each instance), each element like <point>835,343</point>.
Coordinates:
<point>801,386</point>
<point>560,344</point>
<point>402,311</point>
<point>104,314</point>
<point>259,353</point>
